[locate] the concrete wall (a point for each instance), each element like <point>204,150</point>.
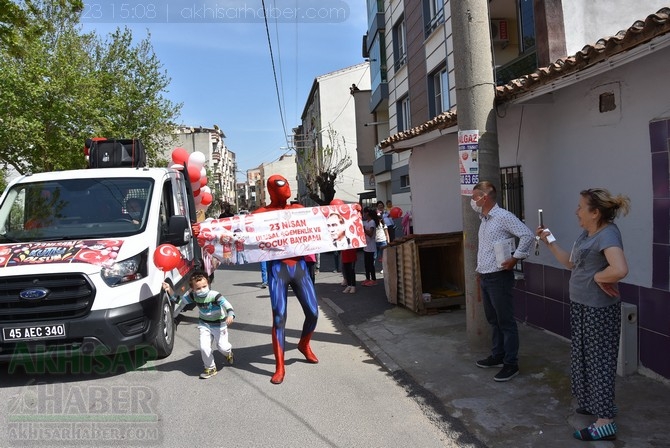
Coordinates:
<point>436,200</point>
<point>588,21</point>
<point>567,145</point>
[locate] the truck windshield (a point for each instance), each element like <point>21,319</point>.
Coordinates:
<point>75,209</point>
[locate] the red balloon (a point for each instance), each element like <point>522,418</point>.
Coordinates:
<point>395,212</point>
<point>336,202</point>
<point>203,181</point>
<point>194,174</point>
<point>206,198</point>
<point>196,193</point>
<point>167,257</point>
<point>180,156</point>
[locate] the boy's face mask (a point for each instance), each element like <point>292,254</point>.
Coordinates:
<point>202,293</point>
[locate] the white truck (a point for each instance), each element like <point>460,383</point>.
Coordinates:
<point>77,275</point>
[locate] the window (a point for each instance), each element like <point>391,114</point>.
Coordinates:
<point>527,25</point>
<point>378,61</point>
<point>434,13</point>
<point>374,7</point>
<point>438,90</point>
<point>404,181</point>
<point>402,109</point>
<point>399,44</point>
<point>511,194</point>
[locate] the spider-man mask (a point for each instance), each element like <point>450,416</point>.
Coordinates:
<point>279,189</point>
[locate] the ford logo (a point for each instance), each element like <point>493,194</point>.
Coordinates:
<point>34,294</point>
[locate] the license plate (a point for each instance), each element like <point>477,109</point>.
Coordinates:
<point>34,332</point>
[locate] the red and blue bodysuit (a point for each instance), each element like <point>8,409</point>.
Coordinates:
<point>282,274</point>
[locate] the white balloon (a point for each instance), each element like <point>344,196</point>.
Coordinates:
<point>203,172</point>
<point>205,189</point>
<point>176,166</point>
<point>197,159</point>
<point>197,199</point>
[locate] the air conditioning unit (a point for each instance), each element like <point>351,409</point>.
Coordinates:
<point>499,31</point>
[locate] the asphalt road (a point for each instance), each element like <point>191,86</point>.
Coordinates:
<point>347,400</point>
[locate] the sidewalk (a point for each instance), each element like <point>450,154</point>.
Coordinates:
<point>431,356</point>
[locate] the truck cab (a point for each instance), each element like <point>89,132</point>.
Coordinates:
<point>76,260</point>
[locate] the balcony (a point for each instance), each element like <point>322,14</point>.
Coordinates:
<point>382,164</point>
<point>523,65</point>
<point>380,94</point>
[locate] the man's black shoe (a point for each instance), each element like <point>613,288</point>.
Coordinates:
<point>489,362</point>
<point>507,373</point>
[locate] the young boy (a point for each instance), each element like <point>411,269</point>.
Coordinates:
<point>216,315</point>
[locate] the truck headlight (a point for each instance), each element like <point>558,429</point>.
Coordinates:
<point>128,270</point>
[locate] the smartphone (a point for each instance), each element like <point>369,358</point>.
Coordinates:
<point>539,217</point>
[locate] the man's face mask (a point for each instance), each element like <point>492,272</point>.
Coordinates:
<point>476,203</point>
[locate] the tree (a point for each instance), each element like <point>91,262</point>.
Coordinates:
<point>15,21</point>
<point>131,85</point>
<point>320,167</point>
<point>67,86</point>
<point>45,97</point>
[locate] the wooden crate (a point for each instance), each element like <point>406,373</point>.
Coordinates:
<point>431,263</point>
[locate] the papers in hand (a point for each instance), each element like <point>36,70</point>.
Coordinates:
<point>504,250</point>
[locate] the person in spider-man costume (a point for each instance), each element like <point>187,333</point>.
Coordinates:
<point>282,273</point>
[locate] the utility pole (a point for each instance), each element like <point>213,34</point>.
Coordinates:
<point>475,96</point>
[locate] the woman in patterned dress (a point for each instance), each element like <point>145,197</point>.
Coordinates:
<point>597,263</point>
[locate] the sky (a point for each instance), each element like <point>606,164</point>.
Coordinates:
<point>217,55</point>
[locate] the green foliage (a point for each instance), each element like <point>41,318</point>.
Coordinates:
<point>17,20</point>
<point>66,86</point>
<point>3,179</point>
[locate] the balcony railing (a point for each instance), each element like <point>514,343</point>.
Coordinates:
<point>523,65</point>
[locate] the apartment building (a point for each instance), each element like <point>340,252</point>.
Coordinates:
<point>221,164</point>
<point>328,121</point>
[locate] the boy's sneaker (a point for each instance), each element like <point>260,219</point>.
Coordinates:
<point>264,285</point>
<point>489,362</point>
<point>208,373</point>
<point>370,283</point>
<point>229,358</point>
<point>508,372</point>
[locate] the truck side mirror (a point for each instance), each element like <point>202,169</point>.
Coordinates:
<point>178,231</point>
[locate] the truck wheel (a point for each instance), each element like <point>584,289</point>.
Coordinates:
<point>164,337</point>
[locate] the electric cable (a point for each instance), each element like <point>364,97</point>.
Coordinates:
<point>274,72</point>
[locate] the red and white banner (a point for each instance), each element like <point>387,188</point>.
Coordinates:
<point>282,233</point>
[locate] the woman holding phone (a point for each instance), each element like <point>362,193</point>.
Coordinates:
<point>597,263</point>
